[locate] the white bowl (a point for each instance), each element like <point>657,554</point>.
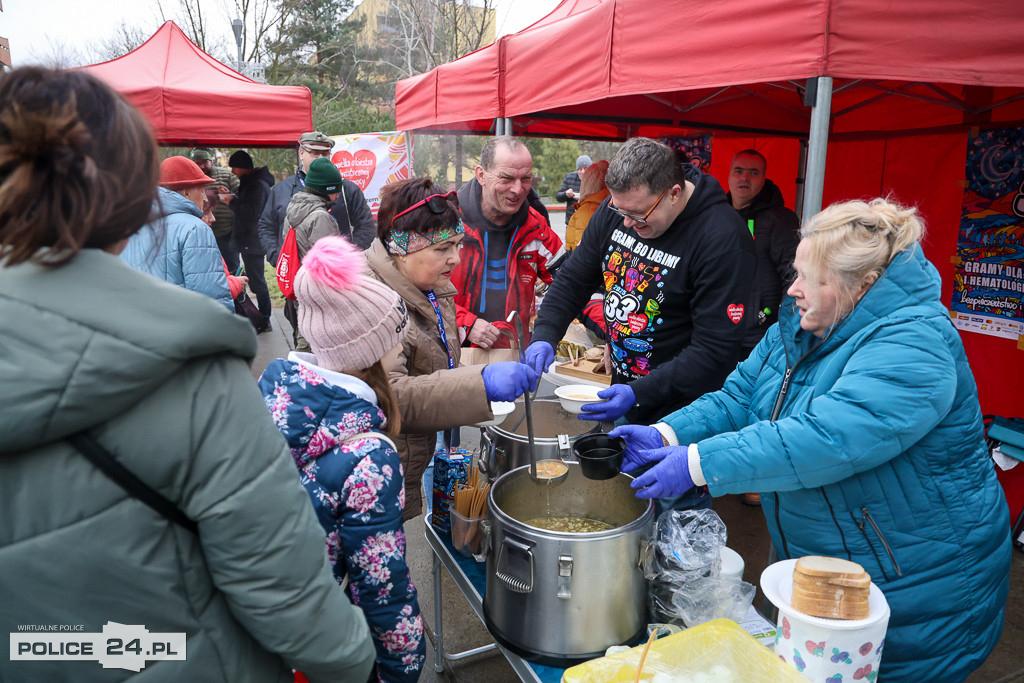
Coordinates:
<point>574,396</point>
<point>501,410</point>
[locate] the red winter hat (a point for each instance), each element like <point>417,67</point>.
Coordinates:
<point>177,173</point>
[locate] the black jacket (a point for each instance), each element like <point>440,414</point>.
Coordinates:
<point>675,305</point>
<point>246,208</point>
<point>355,220</point>
<point>776,234</point>
<point>571,180</point>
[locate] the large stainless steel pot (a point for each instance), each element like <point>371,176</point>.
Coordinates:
<point>562,598</point>
<point>506,446</point>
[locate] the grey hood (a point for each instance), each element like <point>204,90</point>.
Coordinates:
<point>82,343</point>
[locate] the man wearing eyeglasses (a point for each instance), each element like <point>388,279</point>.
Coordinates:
<point>676,262</point>
<point>508,248</point>
<point>350,210</point>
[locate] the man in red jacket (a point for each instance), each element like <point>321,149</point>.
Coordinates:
<point>508,246</point>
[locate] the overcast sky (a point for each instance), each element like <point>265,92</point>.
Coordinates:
<point>40,30</point>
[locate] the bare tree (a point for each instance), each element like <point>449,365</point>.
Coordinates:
<point>123,40</point>
<point>418,35</point>
<point>60,56</point>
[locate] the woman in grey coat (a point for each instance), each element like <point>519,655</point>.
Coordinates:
<point>158,376</point>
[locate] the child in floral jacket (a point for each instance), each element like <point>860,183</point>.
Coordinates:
<point>335,407</point>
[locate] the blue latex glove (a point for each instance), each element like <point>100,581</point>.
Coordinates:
<point>670,476</point>
<point>620,401</point>
<point>507,381</point>
<point>539,356</point>
<point>639,439</point>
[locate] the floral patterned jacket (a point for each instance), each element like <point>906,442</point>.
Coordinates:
<point>356,488</point>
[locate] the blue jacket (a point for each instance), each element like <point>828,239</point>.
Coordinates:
<point>180,248</point>
<point>356,487</point>
<point>876,456</point>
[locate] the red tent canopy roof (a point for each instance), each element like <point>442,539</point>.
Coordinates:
<point>620,68</point>
<point>192,99</point>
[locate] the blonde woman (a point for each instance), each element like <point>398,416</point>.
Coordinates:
<point>593,191</point>
<point>857,418</point>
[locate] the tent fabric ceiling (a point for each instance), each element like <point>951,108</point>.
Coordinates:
<point>619,68</point>
<point>190,98</point>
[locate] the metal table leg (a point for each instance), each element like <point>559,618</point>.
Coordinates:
<point>438,635</point>
<point>443,557</point>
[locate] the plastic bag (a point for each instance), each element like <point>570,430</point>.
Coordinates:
<point>684,571</point>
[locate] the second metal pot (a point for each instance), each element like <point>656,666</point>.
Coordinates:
<point>506,446</point>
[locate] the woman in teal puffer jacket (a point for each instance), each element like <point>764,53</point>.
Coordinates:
<point>858,418</point>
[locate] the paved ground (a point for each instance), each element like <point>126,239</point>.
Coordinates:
<point>747,535</point>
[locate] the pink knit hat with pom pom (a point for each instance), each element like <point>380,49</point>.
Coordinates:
<point>350,320</point>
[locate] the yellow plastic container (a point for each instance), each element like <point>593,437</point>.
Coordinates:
<point>719,650</point>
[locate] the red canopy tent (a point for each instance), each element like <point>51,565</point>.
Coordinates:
<point>619,68</point>
<point>887,90</point>
<point>192,99</point>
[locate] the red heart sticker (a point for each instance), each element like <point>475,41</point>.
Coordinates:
<point>358,167</point>
<point>637,322</point>
<point>735,312</point>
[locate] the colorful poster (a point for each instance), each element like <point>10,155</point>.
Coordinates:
<point>372,160</point>
<point>988,287</point>
<point>696,150</point>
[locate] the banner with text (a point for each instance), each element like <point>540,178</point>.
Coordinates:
<point>988,287</point>
<point>372,160</point>
<point>696,150</point>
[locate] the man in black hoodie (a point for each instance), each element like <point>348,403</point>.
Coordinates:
<point>253,191</point>
<point>676,262</point>
<point>775,231</point>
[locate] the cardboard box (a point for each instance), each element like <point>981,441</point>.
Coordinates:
<point>450,469</point>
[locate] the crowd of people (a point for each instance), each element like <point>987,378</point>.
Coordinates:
<point>813,365</point>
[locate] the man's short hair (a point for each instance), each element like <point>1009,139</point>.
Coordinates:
<point>751,153</point>
<point>491,148</point>
<point>644,163</point>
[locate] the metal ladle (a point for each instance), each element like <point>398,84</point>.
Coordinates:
<point>560,469</point>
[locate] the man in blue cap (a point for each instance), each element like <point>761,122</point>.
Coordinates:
<point>569,192</point>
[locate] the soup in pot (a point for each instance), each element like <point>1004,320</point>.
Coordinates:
<point>571,525</point>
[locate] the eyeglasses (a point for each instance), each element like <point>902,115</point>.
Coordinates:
<point>639,220</point>
<point>437,203</point>
<point>316,152</point>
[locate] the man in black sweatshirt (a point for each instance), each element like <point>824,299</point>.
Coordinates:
<point>676,262</point>
<point>775,231</point>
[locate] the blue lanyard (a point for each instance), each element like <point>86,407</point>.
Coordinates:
<point>440,326</point>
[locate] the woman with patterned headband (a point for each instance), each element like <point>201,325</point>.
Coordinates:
<point>419,233</point>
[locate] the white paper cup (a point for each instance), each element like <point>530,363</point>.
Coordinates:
<point>826,650</point>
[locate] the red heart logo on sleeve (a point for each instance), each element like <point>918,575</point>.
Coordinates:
<point>735,312</point>
<point>358,167</point>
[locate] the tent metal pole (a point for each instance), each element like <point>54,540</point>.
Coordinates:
<point>801,179</point>
<point>508,125</point>
<point>817,145</point>
<point>499,126</point>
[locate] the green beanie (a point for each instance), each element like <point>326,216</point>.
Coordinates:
<point>323,177</point>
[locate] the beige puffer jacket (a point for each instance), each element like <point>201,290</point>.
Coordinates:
<point>431,396</point>
<point>309,214</point>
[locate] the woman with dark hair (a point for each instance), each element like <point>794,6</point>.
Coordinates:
<point>419,230</point>
<point>103,364</point>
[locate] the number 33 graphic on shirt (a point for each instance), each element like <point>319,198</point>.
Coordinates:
<point>618,306</point>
